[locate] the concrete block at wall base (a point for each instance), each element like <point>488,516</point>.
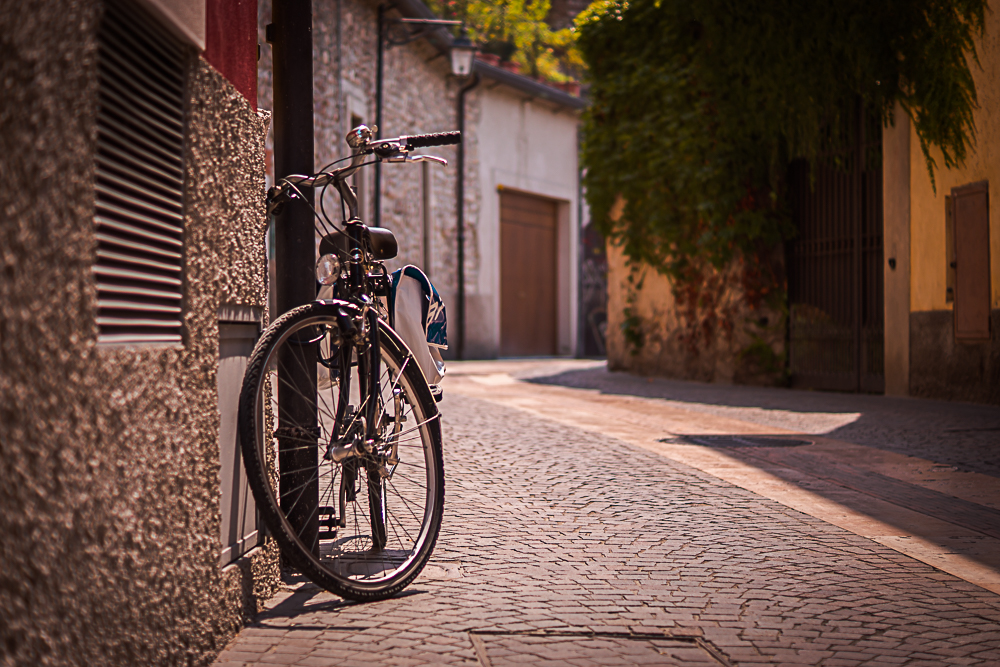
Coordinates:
<point>942,368</point>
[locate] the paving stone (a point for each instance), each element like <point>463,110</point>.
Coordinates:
<point>241,656</point>
<point>557,530</point>
<point>280,658</point>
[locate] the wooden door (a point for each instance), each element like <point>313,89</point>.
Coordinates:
<point>527,275</point>
<point>971,219</point>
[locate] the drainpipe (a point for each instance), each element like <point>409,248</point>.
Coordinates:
<point>460,215</point>
<point>856,257</point>
<point>339,13</point>
<point>581,258</point>
<point>379,66</point>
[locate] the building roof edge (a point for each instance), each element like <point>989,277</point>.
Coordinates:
<point>528,85</point>
<point>442,39</point>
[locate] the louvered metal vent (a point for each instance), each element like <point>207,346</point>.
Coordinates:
<point>139,207</point>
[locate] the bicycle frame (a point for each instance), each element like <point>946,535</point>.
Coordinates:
<point>361,285</point>
<point>328,455</point>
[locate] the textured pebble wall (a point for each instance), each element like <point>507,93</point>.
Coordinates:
<point>109,457</point>
<point>420,96</point>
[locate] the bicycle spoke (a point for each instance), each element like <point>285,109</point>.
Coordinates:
<point>328,496</point>
<point>395,532</point>
<point>409,465</point>
<point>312,513</point>
<point>395,383</point>
<point>405,502</point>
<point>379,540</point>
<point>302,495</point>
<point>416,438</point>
<point>354,505</point>
<point>302,396</point>
<point>407,479</point>
<point>423,423</point>
<point>408,536</point>
<point>378,487</point>
<point>297,470</point>
<point>358,413</point>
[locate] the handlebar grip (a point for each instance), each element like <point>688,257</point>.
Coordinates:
<point>439,139</point>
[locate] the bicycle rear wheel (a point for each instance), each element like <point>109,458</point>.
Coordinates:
<point>348,477</point>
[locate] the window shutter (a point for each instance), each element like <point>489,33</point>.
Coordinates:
<point>970,217</point>
<point>140,179</point>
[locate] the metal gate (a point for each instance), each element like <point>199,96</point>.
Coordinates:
<point>835,295</point>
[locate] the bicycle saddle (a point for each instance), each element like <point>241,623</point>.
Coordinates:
<point>380,242</point>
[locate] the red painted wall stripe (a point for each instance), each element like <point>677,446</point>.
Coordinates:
<point>231,43</point>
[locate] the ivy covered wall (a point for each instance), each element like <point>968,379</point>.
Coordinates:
<point>697,110</point>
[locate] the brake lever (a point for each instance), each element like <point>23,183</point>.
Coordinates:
<point>403,157</point>
<point>426,158</point>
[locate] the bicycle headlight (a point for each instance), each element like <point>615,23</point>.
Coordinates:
<point>327,269</point>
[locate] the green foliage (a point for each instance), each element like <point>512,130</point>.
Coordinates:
<point>631,325</point>
<point>516,30</point>
<point>761,359</point>
<point>632,331</point>
<point>698,106</point>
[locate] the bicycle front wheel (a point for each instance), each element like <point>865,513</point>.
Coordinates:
<point>347,473</point>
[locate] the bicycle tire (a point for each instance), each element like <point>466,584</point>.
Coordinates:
<point>345,556</point>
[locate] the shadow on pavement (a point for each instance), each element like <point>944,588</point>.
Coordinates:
<point>916,497</point>
<point>303,600</point>
<point>961,435</point>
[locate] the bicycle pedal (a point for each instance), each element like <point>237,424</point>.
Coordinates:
<point>437,392</point>
<point>328,524</point>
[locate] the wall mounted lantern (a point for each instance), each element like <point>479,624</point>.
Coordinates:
<point>462,53</point>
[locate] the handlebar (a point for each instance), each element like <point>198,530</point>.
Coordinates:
<point>387,150</point>
<point>439,139</point>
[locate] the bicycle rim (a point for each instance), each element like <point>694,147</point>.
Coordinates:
<point>363,526</point>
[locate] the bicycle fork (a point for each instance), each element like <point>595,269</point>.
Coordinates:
<point>359,438</point>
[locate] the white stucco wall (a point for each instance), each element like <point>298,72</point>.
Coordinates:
<point>527,145</point>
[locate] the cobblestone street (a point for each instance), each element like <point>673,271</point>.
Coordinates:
<point>563,544</point>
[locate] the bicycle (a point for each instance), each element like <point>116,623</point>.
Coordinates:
<point>339,428</point>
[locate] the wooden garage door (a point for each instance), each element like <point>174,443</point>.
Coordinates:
<point>527,275</point>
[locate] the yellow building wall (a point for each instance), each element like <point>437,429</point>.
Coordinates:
<point>641,300</point>
<point>650,297</point>
<point>927,207</point>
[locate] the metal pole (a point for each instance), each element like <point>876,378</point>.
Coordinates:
<point>295,253</point>
<point>380,65</point>
<point>460,216</point>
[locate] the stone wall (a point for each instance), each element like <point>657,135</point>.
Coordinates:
<point>419,97</point>
<point>109,455</point>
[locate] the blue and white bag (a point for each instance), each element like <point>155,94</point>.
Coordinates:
<point>420,319</point>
